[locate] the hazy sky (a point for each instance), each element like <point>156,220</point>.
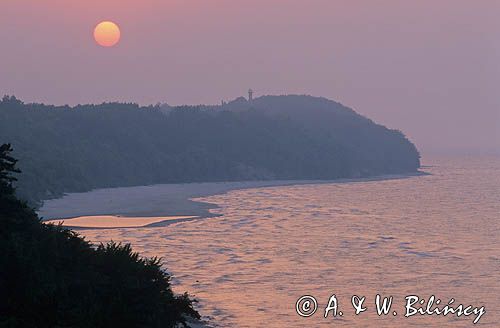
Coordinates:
<point>429,67</point>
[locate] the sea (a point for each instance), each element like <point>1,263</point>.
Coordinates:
<point>317,255</point>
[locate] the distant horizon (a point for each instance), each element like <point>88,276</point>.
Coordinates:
<point>425,153</point>
<point>415,66</point>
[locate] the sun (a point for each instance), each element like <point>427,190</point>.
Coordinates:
<point>107,34</point>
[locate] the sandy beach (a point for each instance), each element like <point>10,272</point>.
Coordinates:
<point>155,205</point>
<point>114,221</point>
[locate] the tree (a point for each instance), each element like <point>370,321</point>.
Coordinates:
<point>11,100</point>
<point>7,168</point>
<point>51,277</point>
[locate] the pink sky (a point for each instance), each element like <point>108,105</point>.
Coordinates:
<point>429,68</point>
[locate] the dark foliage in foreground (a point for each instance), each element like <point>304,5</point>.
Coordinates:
<point>50,277</point>
<point>74,149</point>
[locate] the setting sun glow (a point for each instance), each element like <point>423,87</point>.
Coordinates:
<point>107,34</point>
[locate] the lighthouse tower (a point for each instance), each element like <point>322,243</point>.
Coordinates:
<point>250,95</point>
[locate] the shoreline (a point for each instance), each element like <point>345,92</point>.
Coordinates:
<point>170,203</point>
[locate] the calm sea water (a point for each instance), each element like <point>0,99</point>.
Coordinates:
<point>429,235</point>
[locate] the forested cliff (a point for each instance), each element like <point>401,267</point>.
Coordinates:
<point>68,149</point>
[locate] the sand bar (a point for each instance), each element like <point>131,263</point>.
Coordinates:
<point>112,221</point>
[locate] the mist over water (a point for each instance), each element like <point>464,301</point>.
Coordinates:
<point>427,235</point>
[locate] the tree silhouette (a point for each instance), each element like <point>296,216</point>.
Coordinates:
<point>85,147</point>
<point>7,168</point>
<point>51,277</point>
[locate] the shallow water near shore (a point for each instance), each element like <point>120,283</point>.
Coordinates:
<point>426,235</point>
